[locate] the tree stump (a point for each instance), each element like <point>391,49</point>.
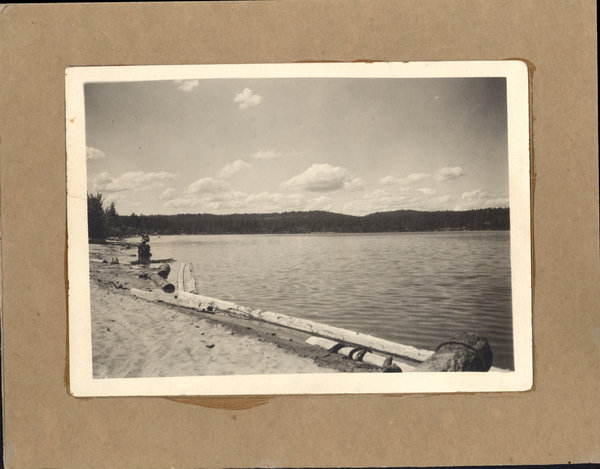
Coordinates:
<point>465,351</point>
<point>164,270</point>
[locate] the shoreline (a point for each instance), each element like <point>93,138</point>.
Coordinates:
<point>132,337</point>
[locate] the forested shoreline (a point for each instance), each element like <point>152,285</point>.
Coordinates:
<point>107,223</point>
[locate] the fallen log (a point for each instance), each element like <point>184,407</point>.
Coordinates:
<point>154,261</point>
<point>357,354</point>
<point>162,298</point>
<point>203,303</point>
<point>166,286</point>
<point>465,351</point>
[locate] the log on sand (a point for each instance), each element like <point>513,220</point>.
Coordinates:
<point>162,298</point>
<point>166,286</point>
<point>358,354</point>
<point>207,304</point>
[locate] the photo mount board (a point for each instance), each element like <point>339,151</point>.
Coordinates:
<point>82,384</point>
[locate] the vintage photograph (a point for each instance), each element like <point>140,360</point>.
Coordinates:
<point>299,228</point>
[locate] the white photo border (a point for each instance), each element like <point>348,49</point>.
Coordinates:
<point>82,383</point>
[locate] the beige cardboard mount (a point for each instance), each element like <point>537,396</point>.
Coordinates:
<point>555,422</point>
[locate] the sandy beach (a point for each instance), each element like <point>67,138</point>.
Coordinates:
<point>133,337</point>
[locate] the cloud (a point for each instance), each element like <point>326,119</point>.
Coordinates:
<point>426,191</point>
<point>93,153</point>
<point>446,174</point>
<point>187,85</point>
<point>167,194</point>
<point>481,198</point>
<point>230,200</point>
<point>384,200</point>
<point>208,186</point>
<point>414,177</point>
<point>246,98</point>
<point>319,203</point>
<point>321,178</point>
<point>232,168</point>
<point>354,185</point>
<point>266,155</point>
<point>267,202</point>
<point>131,181</point>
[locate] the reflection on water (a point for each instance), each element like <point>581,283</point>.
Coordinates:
<point>411,288</point>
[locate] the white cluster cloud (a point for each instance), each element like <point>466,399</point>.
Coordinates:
<point>447,173</point>
<point>481,198</point>
<point>274,202</point>
<point>323,178</point>
<point>266,155</point>
<point>240,202</point>
<point>131,181</point>
<point>232,168</point>
<point>92,153</point>
<point>415,177</point>
<point>247,98</point>
<point>187,85</point>
<point>320,203</point>
<point>382,201</point>
<point>208,186</point>
<point>167,194</point>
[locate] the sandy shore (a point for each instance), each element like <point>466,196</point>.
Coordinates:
<point>132,337</point>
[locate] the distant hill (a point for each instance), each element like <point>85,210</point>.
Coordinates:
<point>317,222</point>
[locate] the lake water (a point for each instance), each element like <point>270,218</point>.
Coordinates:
<point>410,288</point>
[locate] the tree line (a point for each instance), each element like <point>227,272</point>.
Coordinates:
<point>105,223</point>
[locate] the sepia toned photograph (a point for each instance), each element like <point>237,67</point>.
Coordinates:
<point>299,229</point>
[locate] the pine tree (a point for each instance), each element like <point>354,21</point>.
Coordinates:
<point>96,221</point>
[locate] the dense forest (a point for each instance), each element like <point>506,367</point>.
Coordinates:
<point>107,223</point>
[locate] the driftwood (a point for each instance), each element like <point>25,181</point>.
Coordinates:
<point>180,286</point>
<point>207,304</point>
<point>210,305</point>
<point>162,298</point>
<point>360,354</point>
<point>465,351</point>
<point>191,286</point>
<point>166,286</point>
<point>153,261</point>
<point>185,279</point>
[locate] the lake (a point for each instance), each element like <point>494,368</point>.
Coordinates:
<point>411,288</point>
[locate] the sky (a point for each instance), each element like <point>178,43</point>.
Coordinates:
<point>345,145</point>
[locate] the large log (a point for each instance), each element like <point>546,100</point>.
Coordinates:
<point>203,303</point>
<point>465,351</point>
<point>206,304</point>
<point>162,298</point>
<point>166,286</point>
